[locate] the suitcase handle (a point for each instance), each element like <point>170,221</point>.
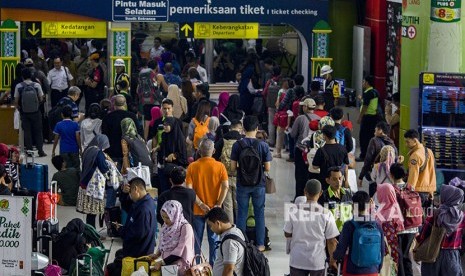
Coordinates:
<point>30,154</point>
<point>50,245</point>
<point>53,216</point>
<point>82,257</point>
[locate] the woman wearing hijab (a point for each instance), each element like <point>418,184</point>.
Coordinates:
<point>154,122</point>
<point>450,217</point>
<point>380,171</point>
<point>133,147</point>
<point>214,132</point>
<point>91,125</point>
<point>176,244</point>
<point>93,157</point>
<point>232,111</point>
<point>223,101</point>
<point>390,217</point>
<point>172,151</point>
<point>70,238</point>
<point>179,102</point>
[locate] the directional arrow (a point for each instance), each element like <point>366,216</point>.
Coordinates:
<point>34,31</point>
<point>186,28</point>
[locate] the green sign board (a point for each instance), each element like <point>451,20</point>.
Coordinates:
<point>446,10</point>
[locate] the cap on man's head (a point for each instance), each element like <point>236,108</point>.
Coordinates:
<point>28,61</point>
<point>94,56</point>
<point>313,187</point>
<point>119,62</point>
<point>326,69</point>
<point>308,102</point>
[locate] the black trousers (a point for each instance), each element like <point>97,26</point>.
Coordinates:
<point>301,173</point>
<point>56,96</point>
<point>92,97</point>
<point>367,131</point>
<point>405,264</point>
<point>32,126</point>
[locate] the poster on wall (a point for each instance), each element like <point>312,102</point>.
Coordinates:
<point>15,235</point>
<point>394,28</point>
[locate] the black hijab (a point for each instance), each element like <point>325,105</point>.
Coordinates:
<point>232,111</point>
<point>173,142</point>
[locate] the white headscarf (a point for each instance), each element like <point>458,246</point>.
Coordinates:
<point>179,102</point>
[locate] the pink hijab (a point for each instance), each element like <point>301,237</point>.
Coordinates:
<point>155,112</point>
<point>389,208</point>
<point>170,235</point>
<point>223,101</point>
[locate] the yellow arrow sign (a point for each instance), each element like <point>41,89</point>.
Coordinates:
<point>34,31</point>
<point>186,28</point>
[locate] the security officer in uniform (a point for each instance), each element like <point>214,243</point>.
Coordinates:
<point>421,173</point>
<point>121,75</point>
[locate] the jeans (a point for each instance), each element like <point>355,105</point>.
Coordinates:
<point>291,142</point>
<point>111,197</point>
<point>32,126</point>
<point>405,264</point>
<point>271,127</point>
<point>257,193</point>
<point>199,226</point>
<point>56,96</point>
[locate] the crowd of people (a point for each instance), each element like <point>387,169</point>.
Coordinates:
<point>210,161</point>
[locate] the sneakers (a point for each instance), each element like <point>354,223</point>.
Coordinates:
<point>290,160</point>
<point>277,155</point>
<point>42,154</point>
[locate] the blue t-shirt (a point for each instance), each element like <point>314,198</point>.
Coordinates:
<point>68,101</point>
<point>67,130</point>
<point>263,151</point>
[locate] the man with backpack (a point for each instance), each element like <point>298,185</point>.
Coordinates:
<point>235,256</point>
<point>343,134</point>
<point>310,237</point>
<point>364,238</point>
<point>148,92</point>
<point>331,155</point>
<point>300,130</point>
<point>380,140</point>
<point>252,159</point>
<point>28,95</point>
<point>223,148</point>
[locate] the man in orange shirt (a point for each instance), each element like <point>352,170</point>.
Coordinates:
<point>209,179</point>
<point>421,173</point>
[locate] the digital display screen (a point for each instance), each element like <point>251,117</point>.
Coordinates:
<point>448,145</point>
<point>443,106</point>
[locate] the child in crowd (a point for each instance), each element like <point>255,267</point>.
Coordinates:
<point>68,133</point>
<point>67,181</point>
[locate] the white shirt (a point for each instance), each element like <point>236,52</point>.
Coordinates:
<point>156,52</point>
<point>310,229</point>
<point>37,86</point>
<point>59,79</point>
<point>202,73</point>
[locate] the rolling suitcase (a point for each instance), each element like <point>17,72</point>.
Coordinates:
<point>46,203</point>
<point>34,176</point>
<point>48,227</point>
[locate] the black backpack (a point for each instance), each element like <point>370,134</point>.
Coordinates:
<point>250,164</point>
<point>54,115</point>
<point>255,262</point>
